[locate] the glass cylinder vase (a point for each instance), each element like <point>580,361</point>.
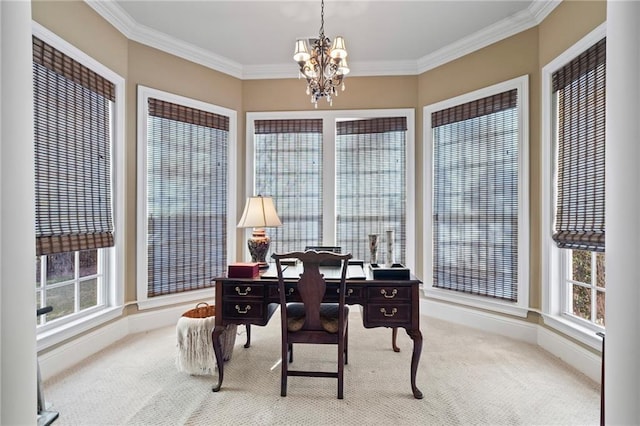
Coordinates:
<point>373,248</point>
<point>390,246</point>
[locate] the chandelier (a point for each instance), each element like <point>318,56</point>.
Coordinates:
<point>326,65</point>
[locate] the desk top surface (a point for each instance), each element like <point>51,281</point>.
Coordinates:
<point>355,272</point>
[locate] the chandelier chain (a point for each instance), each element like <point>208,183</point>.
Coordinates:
<point>322,20</point>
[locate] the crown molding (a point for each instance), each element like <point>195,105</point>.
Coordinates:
<point>131,29</point>
<point>530,17</point>
<point>540,9</point>
<point>115,15</point>
<point>165,43</point>
<point>122,21</point>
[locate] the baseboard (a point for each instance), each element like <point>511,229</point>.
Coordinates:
<point>482,320</point>
<point>69,354</point>
<point>573,354</point>
<point>148,320</point>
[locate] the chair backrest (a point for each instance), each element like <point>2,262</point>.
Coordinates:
<point>332,249</point>
<point>311,285</point>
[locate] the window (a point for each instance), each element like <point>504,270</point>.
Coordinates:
<point>70,282</point>
<point>478,224</point>
<point>584,281</point>
<point>184,195</point>
<point>371,166</point>
<point>288,167</point>
<point>77,134</point>
<point>574,99</point>
<point>335,177</point>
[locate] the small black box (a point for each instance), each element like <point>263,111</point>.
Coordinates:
<point>396,271</point>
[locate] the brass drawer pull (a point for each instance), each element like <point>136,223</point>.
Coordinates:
<point>240,293</point>
<point>246,309</point>
<point>386,296</point>
<point>289,291</point>
<point>349,292</point>
<point>384,312</point>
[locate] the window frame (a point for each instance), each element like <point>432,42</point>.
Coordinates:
<point>521,307</point>
<point>566,299</point>
<point>329,120</point>
<point>555,261</point>
<point>102,275</point>
<point>113,306</point>
<point>144,93</point>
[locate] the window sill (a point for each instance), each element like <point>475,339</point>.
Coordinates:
<point>72,329</point>
<point>584,335</point>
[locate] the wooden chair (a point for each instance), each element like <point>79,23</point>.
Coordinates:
<point>310,320</point>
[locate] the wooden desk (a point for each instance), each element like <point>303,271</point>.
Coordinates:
<point>386,303</point>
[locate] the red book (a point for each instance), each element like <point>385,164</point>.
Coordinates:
<point>243,270</point>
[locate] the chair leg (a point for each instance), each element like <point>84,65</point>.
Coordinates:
<point>290,352</point>
<point>284,368</point>
<point>341,359</point>
<point>346,345</point>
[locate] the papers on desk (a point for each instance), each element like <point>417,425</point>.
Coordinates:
<point>354,272</point>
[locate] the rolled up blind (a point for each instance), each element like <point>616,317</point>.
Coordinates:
<point>580,206</point>
<point>72,138</point>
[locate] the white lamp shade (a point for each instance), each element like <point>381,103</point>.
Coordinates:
<point>338,48</point>
<point>343,68</point>
<point>301,53</point>
<point>259,212</point>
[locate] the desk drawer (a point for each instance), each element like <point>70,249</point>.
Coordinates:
<point>330,296</point>
<point>292,293</point>
<point>387,315</point>
<point>239,309</point>
<point>353,293</point>
<point>243,290</point>
<point>389,293</point>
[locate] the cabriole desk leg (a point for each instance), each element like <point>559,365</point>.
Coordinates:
<point>217,348</point>
<point>248,328</point>
<point>416,336</point>
<point>394,337</point>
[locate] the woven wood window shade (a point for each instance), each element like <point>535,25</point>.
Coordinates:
<point>288,167</point>
<point>580,205</point>
<point>72,133</point>
<point>187,172</point>
<point>371,184</point>
<point>475,197</point>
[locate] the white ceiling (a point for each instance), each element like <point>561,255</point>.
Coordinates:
<point>255,39</point>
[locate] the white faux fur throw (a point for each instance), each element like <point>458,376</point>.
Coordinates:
<point>195,351</point>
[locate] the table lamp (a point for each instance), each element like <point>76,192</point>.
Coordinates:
<point>259,213</point>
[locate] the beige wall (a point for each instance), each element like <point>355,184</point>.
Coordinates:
<point>567,24</point>
<point>522,54</point>
<point>78,24</point>
<point>360,93</point>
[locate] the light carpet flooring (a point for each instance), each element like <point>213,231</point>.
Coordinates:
<point>468,377</point>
